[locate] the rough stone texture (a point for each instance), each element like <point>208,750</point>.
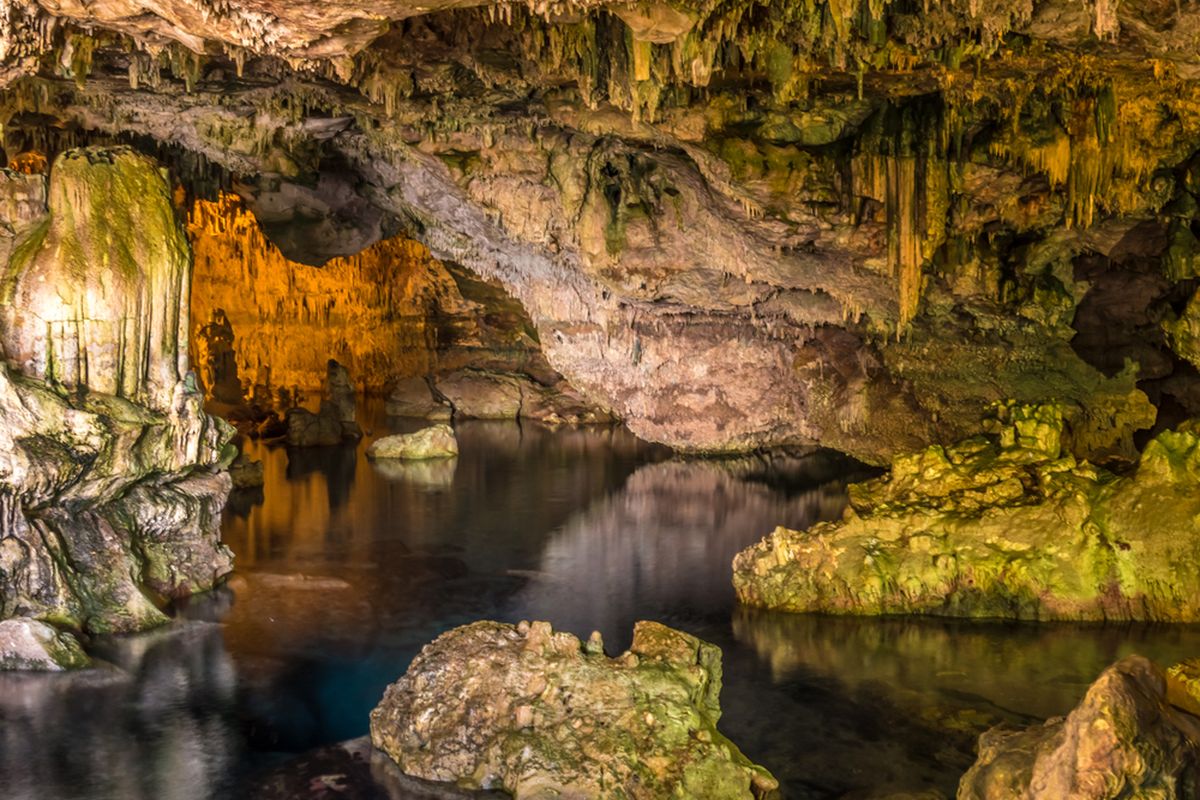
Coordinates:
<point>1005,526</point>
<point>117,327</point>
<point>436,441</point>
<point>246,472</point>
<point>483,394</point>
<point>110,481</point>
<point>412,397</point>
<point>537,714</point>
<point>335,421</point>
<point>27,644</point>
<point>733,229</point>
<point>1124,740</point>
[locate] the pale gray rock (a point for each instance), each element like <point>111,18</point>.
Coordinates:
<point>436,441</point>
<point>27,644</point>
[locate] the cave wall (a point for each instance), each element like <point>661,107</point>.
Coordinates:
<point>262,323</point>
<point>735,225</point>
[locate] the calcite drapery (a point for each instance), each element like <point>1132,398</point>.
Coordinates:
<point>110,487</point>
<point>95,299</point>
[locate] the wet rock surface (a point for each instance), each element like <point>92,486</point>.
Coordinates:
<point>1006,527</point>
<point>110,472</point>
<point>436,441</point>
<point>26,644</point>
<point>538,712</point>
<point>1124,740</point>
<point>334,422</point>
<point>412,397</point>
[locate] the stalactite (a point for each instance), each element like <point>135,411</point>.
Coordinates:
<point>370,310</point>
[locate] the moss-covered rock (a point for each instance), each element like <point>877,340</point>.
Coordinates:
<point>111,481</point>
<point>1000,526</point>
<point>436,441</point>
<point>540,714</point>
<point>26,644</point>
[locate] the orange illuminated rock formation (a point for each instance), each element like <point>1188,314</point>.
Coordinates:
<point>371,311</point>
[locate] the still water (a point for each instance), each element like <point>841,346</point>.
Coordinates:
<point>346,568</point>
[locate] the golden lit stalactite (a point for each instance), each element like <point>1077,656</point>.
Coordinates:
<point>370,311</point>
<point>912,195</point>
<point>905,238</point>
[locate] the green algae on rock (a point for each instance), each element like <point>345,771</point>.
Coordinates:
<point>1126,740</point>
<point>436,441</point>
<point>1002,526</point>
<point>540,714</point>
<point>26,644</point>
<point>111,474</point>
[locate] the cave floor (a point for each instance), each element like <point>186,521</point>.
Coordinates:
<point>346,568</point>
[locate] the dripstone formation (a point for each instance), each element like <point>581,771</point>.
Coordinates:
<point>111,486</point>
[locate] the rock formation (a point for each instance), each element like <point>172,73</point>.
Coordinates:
<point>110,481</point>
<point>26,644</point>
<point>335,421</point>
<point>537,713</point>
<point>436,441</point>
<point>734,226</point>
<point>1126,739</point>
<point>412,397</point>
<point>1006,526</point>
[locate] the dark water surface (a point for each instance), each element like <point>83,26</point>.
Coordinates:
<point>346,568</point>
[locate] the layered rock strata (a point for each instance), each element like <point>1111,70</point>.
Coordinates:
<point>111,480</point>
<point>1002,526</point>
<point>538,713</point>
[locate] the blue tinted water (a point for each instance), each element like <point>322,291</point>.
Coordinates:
<point>346,568</point>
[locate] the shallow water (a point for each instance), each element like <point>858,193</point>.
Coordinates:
<point>346,568</point>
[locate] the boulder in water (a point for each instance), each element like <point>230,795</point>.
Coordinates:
<point>539,714</point>
<point>1125,740</point>
<point>27,644</point>
<point>436,441</point>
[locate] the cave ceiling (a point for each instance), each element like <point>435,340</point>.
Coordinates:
<point>735,223</point>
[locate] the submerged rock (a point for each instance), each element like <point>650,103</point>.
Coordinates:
<point>26,644</point>
<point>1000,527</point>
<point>436,441</point>
<point>539,714</point>
<point>1124,740</point>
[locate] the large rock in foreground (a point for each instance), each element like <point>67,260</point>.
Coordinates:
<point>1124,740</point>
<point>1002,527</point>
<point>436,441</point>
<point>538,714</point>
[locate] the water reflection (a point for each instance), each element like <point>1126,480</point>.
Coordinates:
<point>346,568</point>
<point>661,548</point>
<point>159,723</point>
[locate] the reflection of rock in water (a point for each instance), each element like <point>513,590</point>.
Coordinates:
<point>160,728</point>
<point>351,770</point>
<point>663,542</point>
<point>968,675</point>
<point>432,473</point>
